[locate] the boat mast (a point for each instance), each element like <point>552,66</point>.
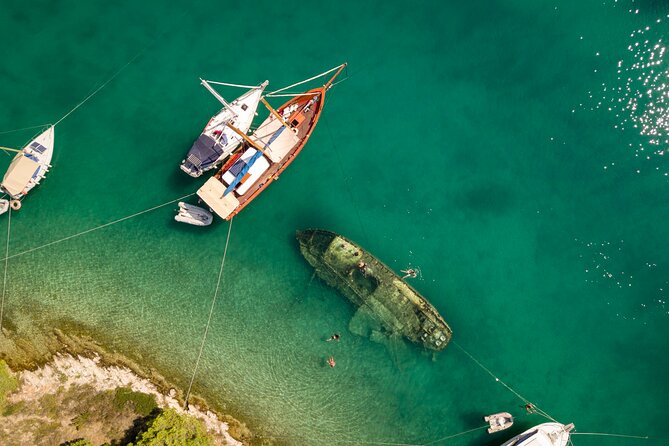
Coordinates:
<point>329,83</point>
<point>246,138</point>
<point>215,93</point>
<point>274,112</point>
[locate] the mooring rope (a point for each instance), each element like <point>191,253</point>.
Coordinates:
<point>389,443</point>
<point>348,189</point>
<point>456,435</point>
<point>4,281</point>
<point>105,83</point>
<point>142,51</point>
<point>24,128</point>
<point>509,388</point>
<point>97,227</point>
<point>211,313</point>
<point>380,443</point>
<point>601,434</point>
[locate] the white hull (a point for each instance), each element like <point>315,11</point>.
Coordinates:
<point>30,165</point>
<point>193,215</point>
<point>240,114</point>
<point>546,434</point>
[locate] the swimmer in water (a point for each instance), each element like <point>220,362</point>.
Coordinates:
<point>334,337</point>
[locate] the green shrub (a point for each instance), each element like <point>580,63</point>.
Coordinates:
<point>11,409</point>
<point>77,442</point>
<point>172,429</point>
<point>80,420</point>
<point>8,383</point>
<point>144,403</point>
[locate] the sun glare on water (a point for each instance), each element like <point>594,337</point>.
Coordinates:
<point>639,95</point>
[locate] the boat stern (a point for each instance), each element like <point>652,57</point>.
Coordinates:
<point>213,193</point>
<point>202,156</point>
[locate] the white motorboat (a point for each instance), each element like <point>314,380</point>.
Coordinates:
<point>29,165</point>
<point>193,215</point>
<point>217,141</point>
<point>546,434</point>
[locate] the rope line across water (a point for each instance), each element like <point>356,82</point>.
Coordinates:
<point>139,53</point>
<point>601,434</point>
<point>24,128</point>
<point>4,281</point>
<point>95,228</point>
<point>211,313</point>
<point>456,435</point>
<point>509,388</point>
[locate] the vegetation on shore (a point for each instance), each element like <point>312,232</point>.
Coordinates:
<point>85,416</point>
<point>162,428</point>
<point>172,428</point>
<point>73,412</point>
<point>8,383</point>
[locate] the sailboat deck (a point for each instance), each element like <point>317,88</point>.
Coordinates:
<point>300,122</point>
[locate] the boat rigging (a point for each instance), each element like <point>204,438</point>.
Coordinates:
<point>268,151</point>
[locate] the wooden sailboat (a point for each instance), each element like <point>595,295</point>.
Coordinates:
<point>29,166</point>
<point>267,152</point>
<point>217,141</point>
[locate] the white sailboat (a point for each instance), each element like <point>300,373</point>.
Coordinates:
<point>546,434</point>
<point>269,150</point>
<point>29,166</point>
<point>217,140</point>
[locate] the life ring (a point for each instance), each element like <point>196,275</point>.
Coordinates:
<point>15,204</point>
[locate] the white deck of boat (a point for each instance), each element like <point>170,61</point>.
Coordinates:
<point>19,173</point>
<point>19,176</point>
<point>548,434</point>
<point>276,145</point>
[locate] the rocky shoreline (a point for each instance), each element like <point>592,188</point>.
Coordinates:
<point>63,371</point>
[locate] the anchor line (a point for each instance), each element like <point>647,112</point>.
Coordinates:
<point>603,434</point>
<point>105,83</point>
<point>136,214</point>
<point>509,388</point>
<point>4,281</point>
<point>395,443</point>
<point>135,57</point>
<point>455,435</point>
<point>24,128</point>
<point>348,189</point>
<point>211,313</point>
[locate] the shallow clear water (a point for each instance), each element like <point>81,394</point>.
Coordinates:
<point>492,146</point>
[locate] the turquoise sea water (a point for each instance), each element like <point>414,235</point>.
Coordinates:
<point>513,150</point>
